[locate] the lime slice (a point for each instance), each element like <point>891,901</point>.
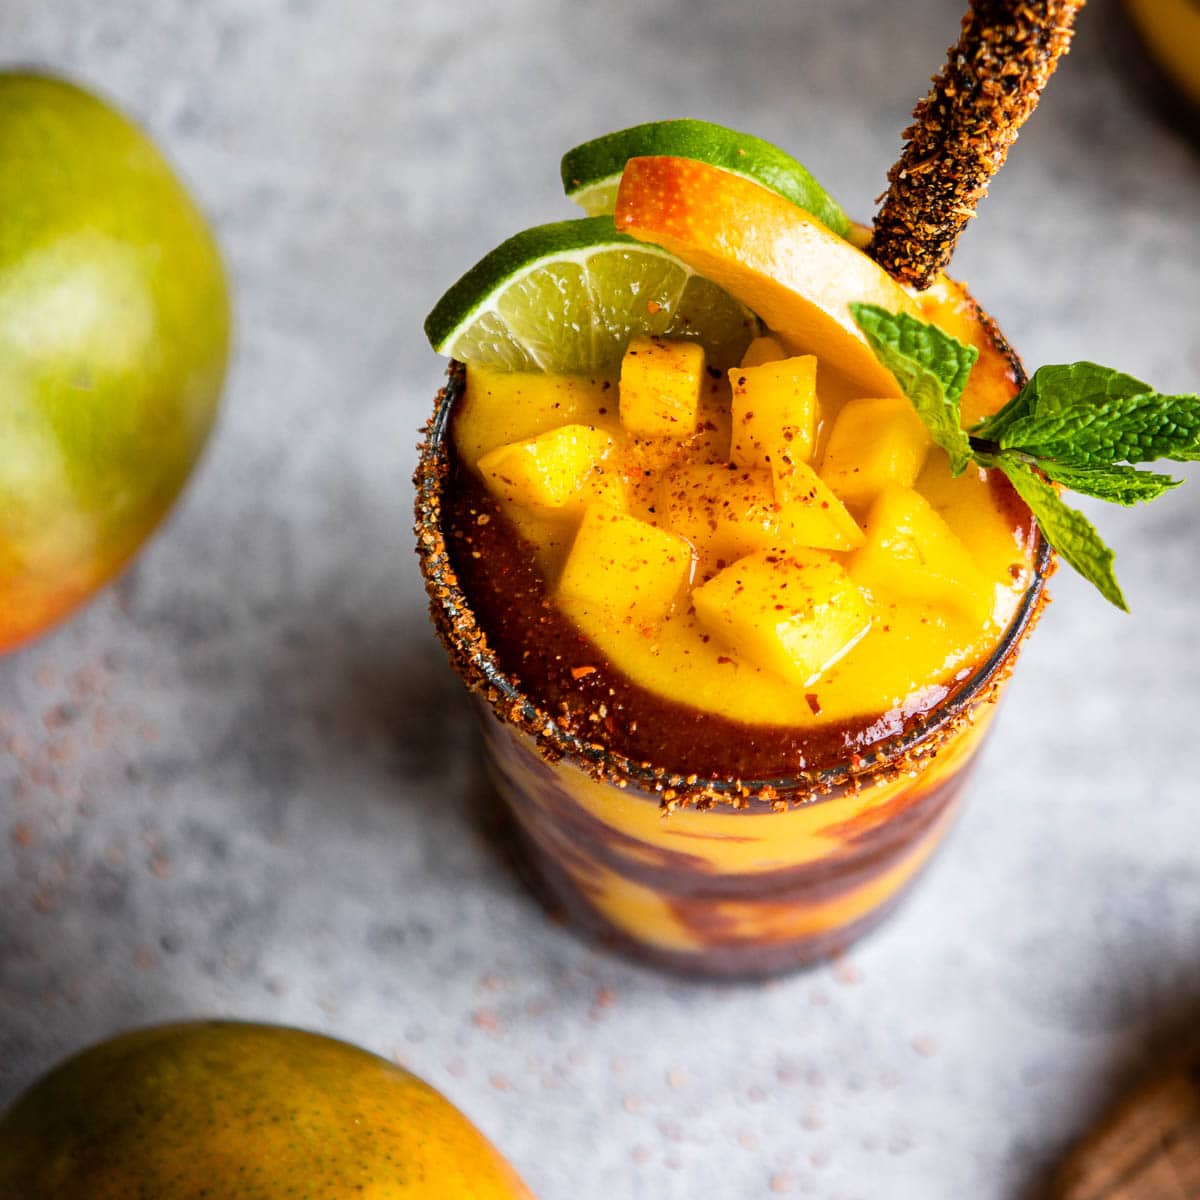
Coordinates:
<point>566,298</point>
<point>591,172</point>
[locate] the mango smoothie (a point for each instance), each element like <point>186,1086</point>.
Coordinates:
<point>735,631</point>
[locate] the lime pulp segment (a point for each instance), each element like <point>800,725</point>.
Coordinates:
<point>592,171</point>
<point>567,297</point>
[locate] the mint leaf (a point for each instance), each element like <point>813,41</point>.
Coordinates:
<point>1134,429</point>
<point>1051,386</point>
<point>1086,415</point>
<point>1068,531</point>
<point>1118,484</point>
<point>931,368</point>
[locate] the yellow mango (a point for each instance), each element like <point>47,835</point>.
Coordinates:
<point>501,407</point>
<point>223,1109</point>
<point>563,469</point>
<point>967,503</point>
<point>763,350</point>
<point>809,514</point>
<point>727,512</point>
<point>660,387</point>
<point>873,443</point>
<point>795,615</point>
<point>774,407</point>
<point>624,566</point>
<point>724,511</point>
<point>912,554</point>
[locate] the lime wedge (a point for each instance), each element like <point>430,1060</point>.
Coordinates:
<point>591,172</point>
<point>566,298</point>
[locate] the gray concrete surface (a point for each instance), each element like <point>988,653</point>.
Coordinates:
<point>243,781</point>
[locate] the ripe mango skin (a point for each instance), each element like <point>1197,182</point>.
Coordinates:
<point>114,339</point>
<point>232,1111</point>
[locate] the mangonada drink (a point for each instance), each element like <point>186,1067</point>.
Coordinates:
<point>735,634</point>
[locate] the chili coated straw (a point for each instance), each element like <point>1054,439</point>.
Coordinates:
<point>963,128</point>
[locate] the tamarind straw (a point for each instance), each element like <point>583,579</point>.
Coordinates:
<point>963,128</point>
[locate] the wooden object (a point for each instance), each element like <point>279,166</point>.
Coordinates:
<point>1148,1148</point>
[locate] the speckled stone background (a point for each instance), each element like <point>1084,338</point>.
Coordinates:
<point>244,782</point>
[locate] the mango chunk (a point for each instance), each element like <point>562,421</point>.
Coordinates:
<point>724,511</point>
<point>625,566</point>
<point>563,469</point>
<point>660,387</point>
<point>512,406</point>
<point>809,512</point>
<point>873,443</point>
<point>727,512</point>
<point>795,615</point>
<point>774,409</point>
<point>763,350</point>
<point>912,554</point>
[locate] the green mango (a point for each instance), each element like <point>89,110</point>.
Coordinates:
<point>229,1111</point>
<point>114,339</point>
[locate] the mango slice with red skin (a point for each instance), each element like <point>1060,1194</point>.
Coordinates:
<point>777,259</point>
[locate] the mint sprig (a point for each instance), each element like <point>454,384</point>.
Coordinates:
<point>1079,425</point>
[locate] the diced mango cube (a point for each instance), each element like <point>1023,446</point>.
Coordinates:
<point>660,387</point>
<point>724,511</point>
<point>774,411</point>
<point>795,615</point>
<point>512,406</point>
<point>809,513</point>
<point>727,512</point>
<point>874,443</point>
<point>563,469</point>
<point>763,350</point>
<point>625,566</point>
<point>912,554</point>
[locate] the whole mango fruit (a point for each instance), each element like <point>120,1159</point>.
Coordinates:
<point>114,339</point>
<point>231,1111</point>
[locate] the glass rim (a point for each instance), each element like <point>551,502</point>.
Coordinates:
<point>474,661</point>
